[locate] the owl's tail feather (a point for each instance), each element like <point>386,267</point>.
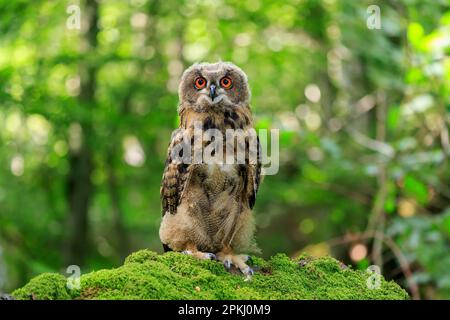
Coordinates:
<point>166,248</point>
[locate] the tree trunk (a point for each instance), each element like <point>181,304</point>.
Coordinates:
<point>79,186</point>
<point>123,243</point>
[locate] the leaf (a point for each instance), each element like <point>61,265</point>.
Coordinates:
<point>390,202</point>
<point>393,117</point>
<point>446,224</point>
<point>286,138</point>
<point>415,34</point>
<point>363,264</point>
<point>416,189</point>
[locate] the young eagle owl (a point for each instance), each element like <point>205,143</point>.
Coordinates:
<point>206,207</point>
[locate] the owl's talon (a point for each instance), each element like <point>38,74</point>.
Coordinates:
<point>227,264</point>
<point>239,261</point>
<point>210,256</point>
<point>248,271</point>
<point>200,255</point>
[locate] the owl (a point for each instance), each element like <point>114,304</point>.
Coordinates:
<point>207,206</point>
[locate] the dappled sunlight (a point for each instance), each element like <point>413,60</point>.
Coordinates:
<point>17,165</point>
<point>134,155</point>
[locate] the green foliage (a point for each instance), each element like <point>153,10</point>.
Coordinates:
<point>146,275</point>
<point>416,189</point>
<point>426,241</point>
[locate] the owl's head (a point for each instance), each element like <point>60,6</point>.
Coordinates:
<point>214,85</point>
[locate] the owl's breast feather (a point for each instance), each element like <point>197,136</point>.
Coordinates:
<point>228,169</point>
<point>219,177</point>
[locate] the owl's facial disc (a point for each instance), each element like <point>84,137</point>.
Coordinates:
<point>214,85</point>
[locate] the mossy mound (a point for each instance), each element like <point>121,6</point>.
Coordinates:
<point>147,275</point>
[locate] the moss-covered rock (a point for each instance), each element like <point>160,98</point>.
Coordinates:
<point>47,286</point>
<point>147,275</point>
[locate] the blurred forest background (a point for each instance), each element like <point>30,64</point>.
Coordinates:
<point>86,116</point>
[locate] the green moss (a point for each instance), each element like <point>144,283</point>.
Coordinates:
<point>141,256</point>
<point>147,275</point>
<point>47,286</point>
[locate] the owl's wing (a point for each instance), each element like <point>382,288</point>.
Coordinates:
<point>175,177</point>
<point>253,178</point>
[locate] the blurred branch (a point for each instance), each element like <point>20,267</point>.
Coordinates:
<point>364,105</point>
<point>374,145</point>
<point>79,185</point>
<point>362,198</point>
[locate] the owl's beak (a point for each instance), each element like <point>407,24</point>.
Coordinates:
<point>212,92</point>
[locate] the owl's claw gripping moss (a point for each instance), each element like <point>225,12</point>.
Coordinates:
<point>239,261</point>
<point>227,264</point>
<point>248,271</point>
<point>200,255</point>
<point>210,256</point>
<point>248,259</point>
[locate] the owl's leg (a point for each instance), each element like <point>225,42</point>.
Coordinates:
<point>191,249</point>
<point>228,258</point>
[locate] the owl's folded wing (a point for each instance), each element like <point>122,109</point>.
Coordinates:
<point>253,178</point>
<point>175,177</point>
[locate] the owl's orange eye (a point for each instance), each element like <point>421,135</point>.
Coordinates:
<point>200,83</point>
<point>225,82</point>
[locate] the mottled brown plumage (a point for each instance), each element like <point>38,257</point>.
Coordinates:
<point>207,207</point>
